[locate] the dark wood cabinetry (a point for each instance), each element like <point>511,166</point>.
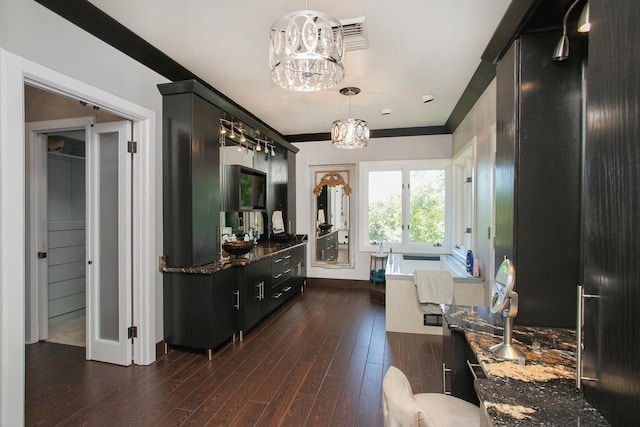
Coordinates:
<point>191,176</point>
<point>611,212</point>
<point>299,275</point>
<point>206,302</point>
<point>456,374</point>
<point>200,310</point>
<point>254,282</point>
<point>281,273</point>
<point>539,175</point>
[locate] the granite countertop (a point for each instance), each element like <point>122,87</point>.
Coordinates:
<point>540,392</point>
<point>262,250</point>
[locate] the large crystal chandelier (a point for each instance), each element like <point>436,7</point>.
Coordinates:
<point>350,133</point>
<point>306,51</point>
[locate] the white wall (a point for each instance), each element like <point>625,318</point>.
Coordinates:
<point>379,149</point>
<point>34,32</point>
<point>31,31</point>
<point>480,122</point>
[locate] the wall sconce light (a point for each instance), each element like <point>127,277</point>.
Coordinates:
<point>561,51</point>
<point>584,25</point>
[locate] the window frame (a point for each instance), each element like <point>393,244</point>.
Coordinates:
<point>405,246</point>
<point>464,165</point>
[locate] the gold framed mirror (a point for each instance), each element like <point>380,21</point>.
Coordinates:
<point>332,216</point>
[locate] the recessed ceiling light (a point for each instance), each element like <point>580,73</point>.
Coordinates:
<point>428,98</point>
<point>385,111</point>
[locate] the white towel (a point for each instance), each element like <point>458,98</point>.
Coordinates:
<point>321,219</point>
<point>434,286</point>
<point>277,223</point>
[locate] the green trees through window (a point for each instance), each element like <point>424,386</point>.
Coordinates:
<point>424,198</point>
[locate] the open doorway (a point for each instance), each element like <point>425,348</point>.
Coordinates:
<point>15,71</point>
<point>78,211</point>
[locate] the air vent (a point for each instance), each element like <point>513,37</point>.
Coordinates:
<point>355,33</point>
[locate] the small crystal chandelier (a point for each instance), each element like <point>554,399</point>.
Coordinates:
<point>306,51</point>
<point>351,133</point>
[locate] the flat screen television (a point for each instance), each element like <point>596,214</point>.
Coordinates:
<point>246,188</point>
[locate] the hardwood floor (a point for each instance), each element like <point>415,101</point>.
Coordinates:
<point>317,361</point>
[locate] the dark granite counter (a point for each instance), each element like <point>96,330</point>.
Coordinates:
<point>541,391</point>
<point>262,250</point>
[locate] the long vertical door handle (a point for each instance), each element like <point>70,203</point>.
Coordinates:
<point>580,338</point>
<point>237,304</point>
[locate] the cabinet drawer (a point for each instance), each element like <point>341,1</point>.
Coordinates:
<point>282,291</point>
<point>281,268</point>
<point>281,276</point>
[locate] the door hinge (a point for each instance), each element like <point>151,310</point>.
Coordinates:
<point>469,179</point>
<point>467,230</point>
<point>132,147</point>
<point>132,332</point>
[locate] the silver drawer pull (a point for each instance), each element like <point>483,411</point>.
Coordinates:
<point>278,295</point>
<point>287,256</point>
<point>287,289</point>
<point>444,379</point>
<point>275,261</point>
<point>287,271</point>
<point>471,366</point>
<point>277,276</point>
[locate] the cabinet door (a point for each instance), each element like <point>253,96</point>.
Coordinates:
<point>225,304</point>
<point>199,309</point>
<point>255,278</point>
<point>299,268</point>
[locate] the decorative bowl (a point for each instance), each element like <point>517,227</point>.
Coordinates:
<point>238,248</point>
<point>325,227</point>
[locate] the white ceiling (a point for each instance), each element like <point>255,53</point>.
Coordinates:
<point>416,47</point>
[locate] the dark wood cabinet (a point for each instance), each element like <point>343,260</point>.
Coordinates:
<point>299,275</point>
<point>539,175</point>
<point>253,283</point>
<point>611,212</point>
<point>200,310</point>
<point>191,176</point>
<point>456,374</point>
<point>281,272</point>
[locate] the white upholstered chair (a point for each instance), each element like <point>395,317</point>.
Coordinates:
<point>402,408</point>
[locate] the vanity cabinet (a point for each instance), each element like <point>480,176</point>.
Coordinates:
<point>253,282</point>
<point>456,373</point>
<point>299,272</point>
<point>200,310</point>
<point>281,273</point>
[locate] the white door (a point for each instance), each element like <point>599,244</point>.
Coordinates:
<point>109,234</point>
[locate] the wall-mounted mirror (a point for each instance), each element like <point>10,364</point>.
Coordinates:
<point>331,216</point>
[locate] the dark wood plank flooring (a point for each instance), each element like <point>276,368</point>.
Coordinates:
<point>317,361</point>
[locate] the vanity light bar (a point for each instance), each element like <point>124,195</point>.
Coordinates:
<point>229,127</point>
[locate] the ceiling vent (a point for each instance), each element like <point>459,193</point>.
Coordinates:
<point>355,35</point>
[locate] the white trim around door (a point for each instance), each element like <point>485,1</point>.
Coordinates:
<point>15,71</point>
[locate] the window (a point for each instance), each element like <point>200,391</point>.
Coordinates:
<point>404,205</point>
<point>463,212</point>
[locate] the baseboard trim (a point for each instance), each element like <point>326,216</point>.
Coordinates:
<point>338,283</point>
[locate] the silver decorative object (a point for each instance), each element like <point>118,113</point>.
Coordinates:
<point>350,133</point>
<point>306,51</point>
